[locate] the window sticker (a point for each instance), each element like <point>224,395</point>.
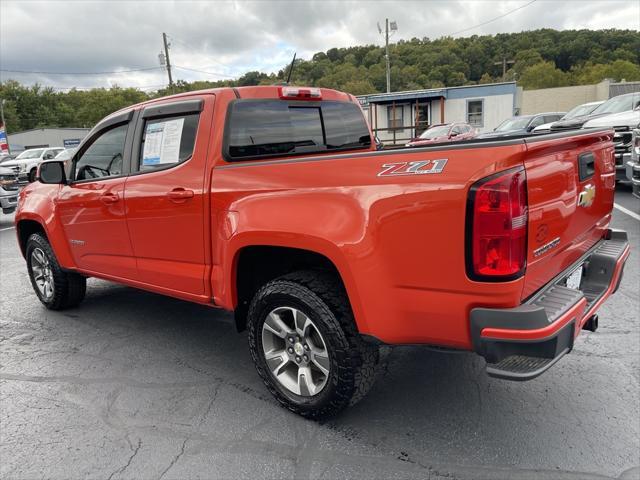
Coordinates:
<point>162,142</point>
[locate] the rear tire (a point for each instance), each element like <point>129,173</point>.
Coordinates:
<point>55,288</point>
<point>322,305</point>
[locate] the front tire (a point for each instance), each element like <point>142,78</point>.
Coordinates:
<point>32,174</point>
<point>305,345</point>
<point>55,288</point>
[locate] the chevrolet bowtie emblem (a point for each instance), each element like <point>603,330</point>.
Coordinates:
<point>587,196</point>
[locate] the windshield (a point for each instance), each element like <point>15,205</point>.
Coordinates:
<point>515,123</point>
<point>66,154</point>
<point>619,104</point>
<point>435,132</point>
<point>579,111</point>
<point>30,154</point>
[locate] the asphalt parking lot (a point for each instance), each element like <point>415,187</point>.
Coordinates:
<point>136,385</point>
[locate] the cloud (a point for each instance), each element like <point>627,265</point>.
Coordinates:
<point>230,38</point>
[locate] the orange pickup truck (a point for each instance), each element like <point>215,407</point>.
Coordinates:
<point>273,203</point>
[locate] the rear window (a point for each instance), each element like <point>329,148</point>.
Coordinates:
<point>268,128</point>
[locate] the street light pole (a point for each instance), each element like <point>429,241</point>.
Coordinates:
<point>389,29</point>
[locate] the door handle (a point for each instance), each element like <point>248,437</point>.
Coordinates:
<point>180,194</point>
<point>109,198</point>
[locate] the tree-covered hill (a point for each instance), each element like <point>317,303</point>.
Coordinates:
<point>542,58</point>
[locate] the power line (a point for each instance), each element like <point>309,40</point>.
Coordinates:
<point>185,44</point>
<point>202,71</point>
<point>80,73</point>
<point>139,87</point>
<point>492,20</point>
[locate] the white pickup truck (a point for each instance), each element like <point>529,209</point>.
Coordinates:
<point>623,123</point>
<point>633,165</point>
<point>26,164</point>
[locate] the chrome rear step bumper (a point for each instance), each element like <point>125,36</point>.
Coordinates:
<point>523,342</point>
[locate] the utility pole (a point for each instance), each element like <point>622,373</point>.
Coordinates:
<point>388,27</point>
<point>386,56</point>
<point>504,63</point>
<point>166,56</point>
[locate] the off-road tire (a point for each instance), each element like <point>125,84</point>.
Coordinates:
<point>69,287</point>
<point>353,361</point>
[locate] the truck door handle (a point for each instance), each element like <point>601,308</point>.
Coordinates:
<point>109,198</point>
<point>178,194</point>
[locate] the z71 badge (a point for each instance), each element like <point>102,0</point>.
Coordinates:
<point>420,167</point>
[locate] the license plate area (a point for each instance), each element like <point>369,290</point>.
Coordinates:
<point>574,279</point>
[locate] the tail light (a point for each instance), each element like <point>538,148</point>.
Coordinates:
<point>497,227</point>
<point>299,93</point>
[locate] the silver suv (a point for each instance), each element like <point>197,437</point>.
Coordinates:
<point>633,165</point>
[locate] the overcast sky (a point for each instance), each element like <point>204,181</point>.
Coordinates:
<point>230,38</point>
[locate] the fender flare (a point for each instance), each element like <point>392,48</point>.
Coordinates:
<point>226,286</point>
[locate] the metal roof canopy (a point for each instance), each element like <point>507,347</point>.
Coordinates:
<point>383,98</point>
<point>464,91</point>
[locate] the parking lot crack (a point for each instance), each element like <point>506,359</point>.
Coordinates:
<point>173,462</point>
<point>133,454</point>
<point>210,404</point>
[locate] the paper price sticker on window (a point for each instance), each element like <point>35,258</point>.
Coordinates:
<point>162,142</point>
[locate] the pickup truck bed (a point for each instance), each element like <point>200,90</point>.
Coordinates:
<point>282,211</point>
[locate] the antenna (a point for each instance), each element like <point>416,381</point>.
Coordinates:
<point>291,67</point>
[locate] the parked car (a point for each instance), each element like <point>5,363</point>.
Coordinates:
<point>272,202</point>
<point>623,124</point>
<point>618,104</point>
<point>8,190</point>
<point>442,133</point>
<point>633,165</point>
<point>522,124</point>
<point>26,164</point>
<point>579,111</point>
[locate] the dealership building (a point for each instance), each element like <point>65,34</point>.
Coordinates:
<point>399,116</point>
<point>46,137</point>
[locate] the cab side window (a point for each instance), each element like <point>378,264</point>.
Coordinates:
<point>536,122</point>
<point>167,141</point>
<point>49,154</point>
<point>104,156</point>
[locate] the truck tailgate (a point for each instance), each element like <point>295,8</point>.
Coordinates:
<point>570,187</point>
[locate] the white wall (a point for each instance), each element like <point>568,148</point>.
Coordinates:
<point>563,99</point>
<point>496,109</point>
<point>408,119</point>
<point>52,137</point>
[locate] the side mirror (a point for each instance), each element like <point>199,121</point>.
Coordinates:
<point>52,172</point>
<point>48,156</point>
<point>530,128</point>
<point>454,134</point>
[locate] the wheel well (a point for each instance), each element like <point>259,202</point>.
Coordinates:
<point>258,265</point>
<point>26,228</point>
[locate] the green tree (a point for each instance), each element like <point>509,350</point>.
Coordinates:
<point>543,75</point>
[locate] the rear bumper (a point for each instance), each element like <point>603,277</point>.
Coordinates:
<point>521,343</point>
